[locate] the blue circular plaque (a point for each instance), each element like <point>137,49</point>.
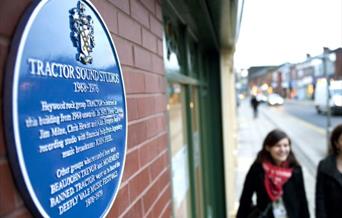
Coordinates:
<point>65,111</point>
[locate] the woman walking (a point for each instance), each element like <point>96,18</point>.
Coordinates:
<point>277,180</point>
<point>329,179</point>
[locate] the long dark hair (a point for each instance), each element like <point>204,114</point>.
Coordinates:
<point>335,135</point>
<point>271,140</point>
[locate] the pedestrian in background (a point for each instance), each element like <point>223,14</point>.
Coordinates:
<point>254,105</point>
<point>277,180</point>
<point>329,179</point>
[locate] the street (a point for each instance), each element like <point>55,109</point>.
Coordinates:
<point>300,121</point>
<point>307,112</point>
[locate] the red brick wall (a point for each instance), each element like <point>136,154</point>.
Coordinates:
<point>136,28</point>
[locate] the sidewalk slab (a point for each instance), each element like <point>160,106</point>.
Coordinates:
<point>252,132</point>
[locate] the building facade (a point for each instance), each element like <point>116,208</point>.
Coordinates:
<point>298,80</point>
<point>176,59</point>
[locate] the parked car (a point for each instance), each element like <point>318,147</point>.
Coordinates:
<point>321,95</point>
<point>275,99</point>
<point>261,98</point>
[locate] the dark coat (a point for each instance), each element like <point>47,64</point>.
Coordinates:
<point>254,102</point>
<point>294,196</point>
<point>328,189</point>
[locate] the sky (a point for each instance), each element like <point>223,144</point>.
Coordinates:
<point>274,32</point>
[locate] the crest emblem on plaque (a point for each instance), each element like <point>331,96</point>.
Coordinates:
<point>82,35</point>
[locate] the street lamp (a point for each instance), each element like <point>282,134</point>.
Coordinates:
<point>328,121</point>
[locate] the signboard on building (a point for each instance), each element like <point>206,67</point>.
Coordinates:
<point>65,111</point>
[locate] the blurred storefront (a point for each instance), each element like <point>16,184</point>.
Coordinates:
<point>198,64</point>
<point>298,80</point>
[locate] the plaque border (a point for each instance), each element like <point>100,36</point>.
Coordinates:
<point>10,113</point>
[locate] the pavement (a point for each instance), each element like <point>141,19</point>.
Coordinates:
<point>308,143</point>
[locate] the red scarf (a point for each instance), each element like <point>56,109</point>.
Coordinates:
<point>275,178</point>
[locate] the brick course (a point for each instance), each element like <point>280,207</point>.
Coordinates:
<point>108,14</point>
<point>132,164</point>
<point>159,165</point>
<point>157,64</point>
<point>156,188</point>
<point>129,28</point>
<point>122,4</point>
<point>132,109</point>
<point>125,51</point>
<point>136,134</point>
<point>139,13</point>
<point>160,47</point>
<point>149,40</point>
<point>134,81</point>
<point>150,5</point>
<point>7,190</point>
<point>161,204</point>
<point>121,202</point>
<point>149,151</point>
<point>167,211</point>
<point>134,211</point>
<point>155,27</point>
<point>159,12</point>
<point>142,58</point>
<point>138,184</point>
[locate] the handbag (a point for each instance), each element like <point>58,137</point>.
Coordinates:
<point>257,213</point>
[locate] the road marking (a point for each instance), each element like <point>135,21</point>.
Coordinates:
<point>309,125</point>
<point>306,124</point>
